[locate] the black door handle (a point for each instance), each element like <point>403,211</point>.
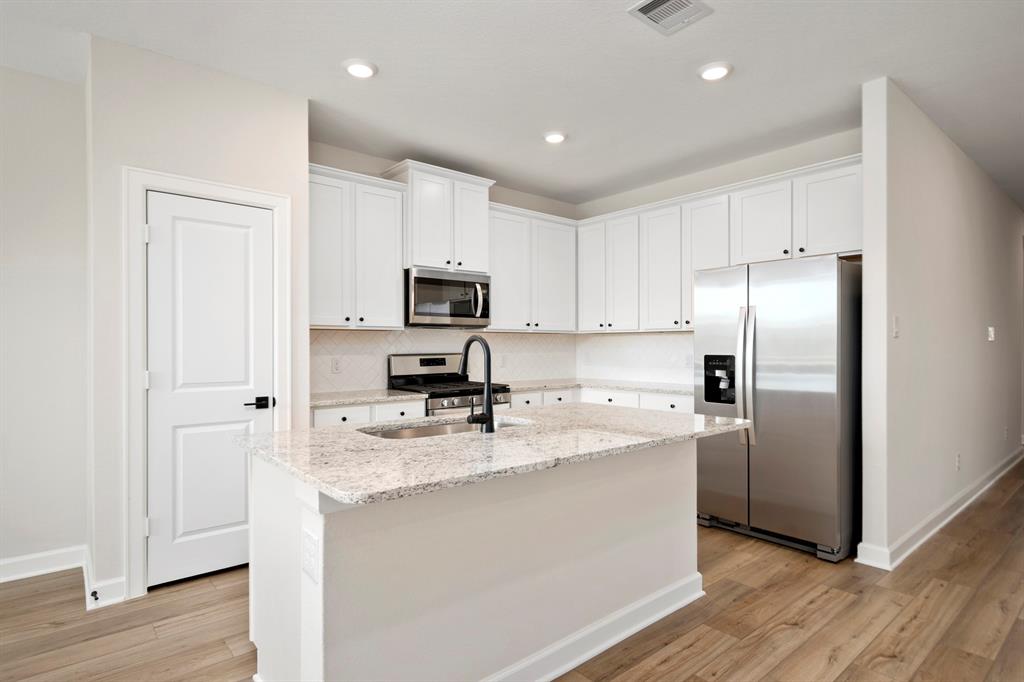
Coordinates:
<point>262,402</point>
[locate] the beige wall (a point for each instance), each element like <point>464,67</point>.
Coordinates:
<point>346,159</point>
<point>950,242</point>
<point>158,113</point>
<point>42,314</point>
<point>785,159</point>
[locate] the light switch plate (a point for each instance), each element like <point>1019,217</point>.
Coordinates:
<point>311,555</point>
<point>895,326</point>
<point>991,333</point>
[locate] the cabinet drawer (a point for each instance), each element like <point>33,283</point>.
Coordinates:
<point>667,402</point>
<point>556,397</point>
<point>527,399</point>
<point>606,397</point>
<point>332,416</point>
<point>385,411</point>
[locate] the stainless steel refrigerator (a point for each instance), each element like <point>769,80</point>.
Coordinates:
<point>779,343</point>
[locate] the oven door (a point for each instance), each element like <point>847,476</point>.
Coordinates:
<point>438,298</point>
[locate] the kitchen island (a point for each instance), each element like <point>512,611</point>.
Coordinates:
<point>512,555</point>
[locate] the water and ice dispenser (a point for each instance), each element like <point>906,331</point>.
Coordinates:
<point>720,379</point>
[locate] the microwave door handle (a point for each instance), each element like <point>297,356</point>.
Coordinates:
<point>479,300</point>
<point>738,369</point>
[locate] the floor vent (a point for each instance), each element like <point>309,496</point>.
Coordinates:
<point>668,16</point>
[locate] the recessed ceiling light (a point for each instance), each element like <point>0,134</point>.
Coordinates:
<point>554,137</point>
<point>715,71</point>
<point>360,68</point>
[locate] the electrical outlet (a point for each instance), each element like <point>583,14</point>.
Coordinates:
<point>991,333</point>
<point>1006,433</point>
<point>958,461</point>
<point>335,365</point>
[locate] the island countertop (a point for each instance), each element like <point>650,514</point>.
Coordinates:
<point>353,467</point>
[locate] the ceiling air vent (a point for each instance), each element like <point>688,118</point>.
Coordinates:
<point>668,16</point>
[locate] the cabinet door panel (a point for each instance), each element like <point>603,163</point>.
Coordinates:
<point>708,222</point>
<point>761,223</point>
<point>472,208</point>
<point>511,272</point>
<point>554,277</point>
<point>328,249</point>
<point>661,269</point>
<point>827,212</point>
<point>378,257</point>
<point>622,297</point>
<point>590,266</point>
<point>431,220</point>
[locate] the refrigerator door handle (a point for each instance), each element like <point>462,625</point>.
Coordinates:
<point>738,372</point>
<point>748,376</point>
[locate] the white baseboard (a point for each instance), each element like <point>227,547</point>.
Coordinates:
<point>888,558</point>
<point>41,563</point>
<point>582,645</point>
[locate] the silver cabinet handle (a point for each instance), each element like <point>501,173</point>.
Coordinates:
<point>748,379</point>
<point>741,328</point>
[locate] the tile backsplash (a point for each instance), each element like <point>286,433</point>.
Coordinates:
<point>362,356</point>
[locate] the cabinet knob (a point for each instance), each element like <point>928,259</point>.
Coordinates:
<point>801,249</point>
<point>675,322</point>
<point>347,318</point>
<point>362,319</point>
<point>609,399</point>
<point>601,325</point>
<point>459,263</point>
<point>559,399</point>
<point>536,324</point>
<point>344,419</point>
<point>687,322</point>
<point>527,324</point>
<point>609,324</point>
<point>785,251</point>
<point>447,262</point>
<point>527,402</point>
<point>672,407</point>
<point>402,413</point>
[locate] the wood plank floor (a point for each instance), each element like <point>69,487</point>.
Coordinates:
<point>953,612</point>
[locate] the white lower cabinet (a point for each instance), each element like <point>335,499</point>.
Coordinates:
<point>600,396</point>
<point>366,414</point>
<point>527,399</point>
<point>349,414</point>
<point>560,396</point>
<point>667,402</point>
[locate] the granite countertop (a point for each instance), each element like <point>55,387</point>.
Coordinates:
<point>384,395</point>
<point>353,467</point>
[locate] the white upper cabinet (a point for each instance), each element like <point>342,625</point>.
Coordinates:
<point>554,277</point>
<point>511,272</point>
<point>471,210</point>
<point>378,257</point>
<point>590,268</point>
<point>622,283</point>
<point>827,212</point>
<point>708,224</point>
<point>533,273</point>
<point>430,220</point>
<point>355,250</point>
<point>448,217</point>
<point>661,269</point>
<point>761,223</point>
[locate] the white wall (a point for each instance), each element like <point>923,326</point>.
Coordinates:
<point>803,154</point>
<point>357,162</point>
<point>161,114</point>
<point>42,314</point>
<point>950,242</point>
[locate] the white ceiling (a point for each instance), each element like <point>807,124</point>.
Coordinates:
<point>474,84</point>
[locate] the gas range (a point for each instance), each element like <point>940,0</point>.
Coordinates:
<point>437,377</point>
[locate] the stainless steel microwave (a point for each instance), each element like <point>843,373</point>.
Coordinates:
<point>439,298</point>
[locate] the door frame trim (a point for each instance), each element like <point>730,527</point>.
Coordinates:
<point>136,182</point>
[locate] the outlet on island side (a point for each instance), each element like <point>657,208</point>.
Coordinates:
<point>958,461</point>
<point>335,365</point>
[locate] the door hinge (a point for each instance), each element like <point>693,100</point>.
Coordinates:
<point>145,527</point>
<point>146,232</point>
<point>145,380</point>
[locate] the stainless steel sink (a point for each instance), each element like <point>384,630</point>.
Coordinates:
<point>429,429</point>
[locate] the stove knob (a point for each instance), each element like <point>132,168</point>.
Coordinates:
<point>444,403</point>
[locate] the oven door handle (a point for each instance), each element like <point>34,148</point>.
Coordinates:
<point>479,300</point>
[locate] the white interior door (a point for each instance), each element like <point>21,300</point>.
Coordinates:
<point>210,351</point>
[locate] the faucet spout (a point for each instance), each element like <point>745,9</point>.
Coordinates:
<point>485,418</point>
